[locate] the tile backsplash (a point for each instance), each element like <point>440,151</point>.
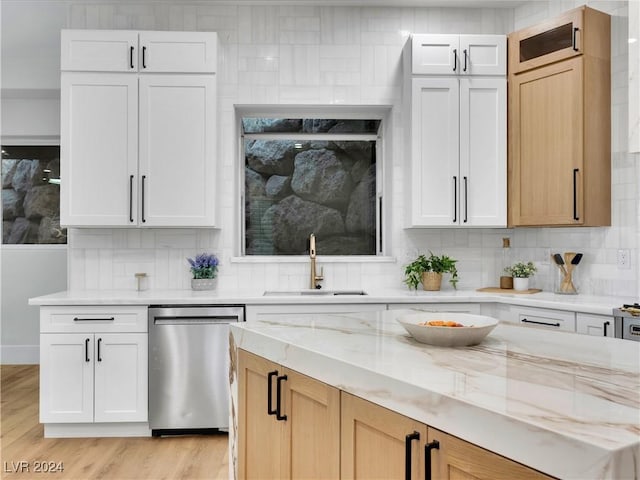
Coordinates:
<point>349,56</point>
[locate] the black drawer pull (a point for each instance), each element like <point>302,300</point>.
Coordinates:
<point>465,60</point>
<point>435,445</point>
<point>524,320</point>
<point>279,381</point>
<point>105,319</point>
<point>144,60</point>
<point>86,350</point>
<point>270,409</point>
<point>131,198</point>
<point>407,453</point>
<point>573,39</point>
<point>455,59</point>
<point>455,199</point>
<point>144,177</point>
<point>99,354</point>
<point>131,57</point>
<point>606,327</point>
<point>575,194</point>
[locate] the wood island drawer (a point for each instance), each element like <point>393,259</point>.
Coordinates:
<point>93,319</point>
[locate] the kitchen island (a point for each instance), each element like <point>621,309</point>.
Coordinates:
<point>566,405</point>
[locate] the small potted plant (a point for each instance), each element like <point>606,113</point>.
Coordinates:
<point>521,271</point>
<point>429,270</point>
<point>204,268</point>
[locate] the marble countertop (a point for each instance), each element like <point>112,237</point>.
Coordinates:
<point>567,405</point>
<point>602,305</point>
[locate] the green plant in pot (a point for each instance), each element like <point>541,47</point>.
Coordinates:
<point>429,270</point>
<point>521,271</point>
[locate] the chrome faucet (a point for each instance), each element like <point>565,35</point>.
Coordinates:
<point>315,278</point>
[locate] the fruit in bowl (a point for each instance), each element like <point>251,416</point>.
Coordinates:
<point>447,329</point>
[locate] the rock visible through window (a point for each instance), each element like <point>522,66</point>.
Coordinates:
<point>31,195</point>
<point>306,176</point>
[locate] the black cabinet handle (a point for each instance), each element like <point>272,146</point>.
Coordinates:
<point>455,199</point>
<point>86,350</point>
<point>97,319</point>
<point>270,409</point>
<point>466,205</point>
<point>144,54</point>
<point>435,445</point>
<point>573,40</point>
<point>575,194</point>
<point>131,57</point>
<point>144,177</point>
<point>407,453</point>
<point>455,59</point>
<point>131,198</point>
<point>99,355</point>
<point>465,60</point>
<point>606,327</point>
<point>279,381</point>
<point>524,320</point>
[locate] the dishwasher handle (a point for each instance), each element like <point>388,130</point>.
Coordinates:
<point>208,320</point>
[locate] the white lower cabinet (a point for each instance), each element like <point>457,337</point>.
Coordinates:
<point>89,378</point>
<point>438,307</point>
<point>538,317</point>
<point>94,370</point>
<point>596,325</point>
<point>272,312</point>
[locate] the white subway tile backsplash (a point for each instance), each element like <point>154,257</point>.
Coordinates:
<point>317,55</point>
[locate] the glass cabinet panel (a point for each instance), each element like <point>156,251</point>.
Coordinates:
<point>547,42</point>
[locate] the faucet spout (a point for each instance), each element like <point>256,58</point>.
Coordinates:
<point>315,279</point>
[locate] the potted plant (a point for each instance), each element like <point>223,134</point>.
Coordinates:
<point>521,271</point>
<point>429,270</point>
<point>204,268</point>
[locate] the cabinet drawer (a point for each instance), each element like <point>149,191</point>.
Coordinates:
<point>93,319</point>
<point>99,50</point>
<point>541,318</point>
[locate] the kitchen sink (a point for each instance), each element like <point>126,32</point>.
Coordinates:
<point>310,292</point>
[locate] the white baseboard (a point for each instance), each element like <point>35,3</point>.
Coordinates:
<point>85,430</point>
<point>19,354</point>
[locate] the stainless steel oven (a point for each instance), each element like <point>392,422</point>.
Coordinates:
<point>627,322</point>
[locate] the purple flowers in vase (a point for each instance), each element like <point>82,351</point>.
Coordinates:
<point>204,265</point>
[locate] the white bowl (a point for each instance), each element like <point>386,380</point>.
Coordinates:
<point>473,331</point>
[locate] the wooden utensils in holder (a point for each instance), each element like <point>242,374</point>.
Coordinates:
<point>566,266</point>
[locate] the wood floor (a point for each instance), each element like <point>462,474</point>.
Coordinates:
<point>24,448</point>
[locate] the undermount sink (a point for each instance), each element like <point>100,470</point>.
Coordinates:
<point>288,293</point>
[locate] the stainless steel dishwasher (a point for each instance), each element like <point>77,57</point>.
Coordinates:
<point>189,367</point>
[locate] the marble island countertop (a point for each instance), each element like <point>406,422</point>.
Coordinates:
<point>567,405</point>
<point>602,305</point>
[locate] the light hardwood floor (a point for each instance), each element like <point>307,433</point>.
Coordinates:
<point>21,440</point>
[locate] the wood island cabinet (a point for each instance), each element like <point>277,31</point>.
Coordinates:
<point>138,129</point>
<point>379,443</point>
<point>559,168</point>
<point>288,425</point>
<point>293,426</point>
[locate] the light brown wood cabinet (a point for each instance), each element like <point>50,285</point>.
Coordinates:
<point>288,423</point>
<point>379,443</point>
<point>309,429</point>
<point>559,122</point>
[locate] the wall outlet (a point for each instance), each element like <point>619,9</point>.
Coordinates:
<point>624,262</point>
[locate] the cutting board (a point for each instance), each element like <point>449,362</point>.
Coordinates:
<point>507,290</point>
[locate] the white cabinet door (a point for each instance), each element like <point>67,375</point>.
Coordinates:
<point>99,50</point>
<point>121,377</point>
<point>483,55</point>
<point>434,145</point>
<point>66,378</point>
<point>99,149</point>
<point>596,325</point>
<point>177,157</point>
<point>435,54</point>
<point>185,52</point>
<point>483,152</point>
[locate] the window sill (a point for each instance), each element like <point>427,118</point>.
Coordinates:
<point>320,258</point>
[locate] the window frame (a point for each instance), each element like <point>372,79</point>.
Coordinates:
<point>338,112</point>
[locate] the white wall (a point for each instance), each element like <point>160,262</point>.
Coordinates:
<point>29,113</point>
<point>345,55</point>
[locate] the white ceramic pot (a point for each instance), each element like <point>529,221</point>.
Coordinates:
<point>520,283</point>
<point>203,283</point>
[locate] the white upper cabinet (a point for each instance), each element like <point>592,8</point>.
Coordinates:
<point>456,96</point>
<point>132,51</point>
<point>459,54</point>
<point>138,146</point>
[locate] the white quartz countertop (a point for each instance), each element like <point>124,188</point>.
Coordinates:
<point>566,404</point>
<point>579,303</point>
